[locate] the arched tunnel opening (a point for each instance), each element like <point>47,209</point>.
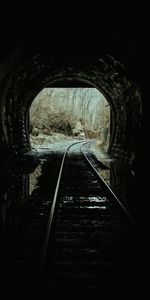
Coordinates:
<point>66,113</point>
<point>107,75</point>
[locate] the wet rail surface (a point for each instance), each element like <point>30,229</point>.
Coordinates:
<point>94,247</point>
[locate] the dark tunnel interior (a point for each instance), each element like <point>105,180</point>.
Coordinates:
<point>74,47</point>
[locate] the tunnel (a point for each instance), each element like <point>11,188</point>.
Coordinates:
<point>106,74</point>
<point>110,57</point>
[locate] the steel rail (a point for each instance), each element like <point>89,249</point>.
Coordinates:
<point>51,214</point>
<point>109,188</point>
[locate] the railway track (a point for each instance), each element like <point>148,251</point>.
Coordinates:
<point>80,241</point>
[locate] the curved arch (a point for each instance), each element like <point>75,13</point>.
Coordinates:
<point>107,75</point>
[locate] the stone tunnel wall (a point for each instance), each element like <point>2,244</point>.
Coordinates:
<point>22,80</point>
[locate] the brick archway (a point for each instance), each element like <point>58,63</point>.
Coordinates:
<point>31,74</point>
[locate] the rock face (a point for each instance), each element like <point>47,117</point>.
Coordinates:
<point>86,109</point>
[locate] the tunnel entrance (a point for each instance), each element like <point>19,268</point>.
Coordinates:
<point>104,74</point>
<point>59,114</point>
